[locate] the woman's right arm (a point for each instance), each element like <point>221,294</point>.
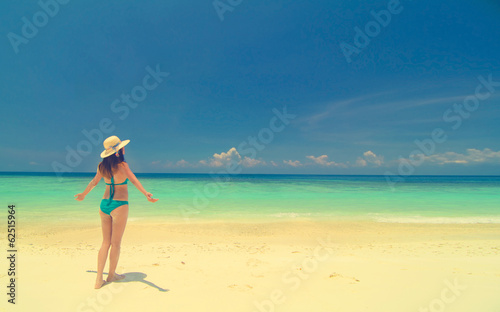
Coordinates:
<point>131,176</point>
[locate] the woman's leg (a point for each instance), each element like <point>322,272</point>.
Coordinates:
<point>103,252</point>
<point>119,216</point>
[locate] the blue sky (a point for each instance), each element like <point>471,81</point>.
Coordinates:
<point>223,73</point>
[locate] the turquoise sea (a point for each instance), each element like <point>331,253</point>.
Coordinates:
<point>43,197</point>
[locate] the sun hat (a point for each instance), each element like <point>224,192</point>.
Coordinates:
<point>112,145</point>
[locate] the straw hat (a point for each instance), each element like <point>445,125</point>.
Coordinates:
<point>112,145</point>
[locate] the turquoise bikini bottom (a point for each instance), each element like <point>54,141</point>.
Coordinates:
<point>109,205</point>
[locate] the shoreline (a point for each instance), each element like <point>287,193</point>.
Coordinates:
<point>365,229</point>
<point>362,219</point>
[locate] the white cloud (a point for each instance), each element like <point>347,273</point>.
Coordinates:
<point>182,163</point>
<point>251,162</point>
<point>472,156</point>
<point>369,158</point>
<point>295,163</point>
<point>360,162</point>
<point>323,161</point>
<point>223,159</point>
<point>232,156</point>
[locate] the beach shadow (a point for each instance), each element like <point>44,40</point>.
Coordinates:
<point>135,277</point>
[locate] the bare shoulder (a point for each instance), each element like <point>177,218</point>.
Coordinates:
<point>98,171</point>
<point>124,166</point>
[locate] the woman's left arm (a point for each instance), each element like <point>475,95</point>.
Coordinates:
<point>90,186</point>
<point>131,176</point>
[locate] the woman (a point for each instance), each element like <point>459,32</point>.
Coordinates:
<point>114,205</point>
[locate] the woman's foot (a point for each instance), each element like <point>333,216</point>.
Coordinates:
<point>99,284</point>
<point>114,278</point>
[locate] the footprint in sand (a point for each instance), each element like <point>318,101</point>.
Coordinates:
<point>254,262</point>
<point>240,287</point>
<point>255,249</point>
<point>337,275</point>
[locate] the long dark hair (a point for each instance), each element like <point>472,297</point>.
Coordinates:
<point>108,164</point>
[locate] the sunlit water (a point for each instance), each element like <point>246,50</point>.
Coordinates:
<point>458,199</point>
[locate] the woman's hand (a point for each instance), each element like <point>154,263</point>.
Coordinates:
<point>80,197</point>
<point>150,198</point>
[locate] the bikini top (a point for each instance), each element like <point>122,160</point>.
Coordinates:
<point>112,187</point>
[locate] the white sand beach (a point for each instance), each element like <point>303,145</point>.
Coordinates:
<point>287,266</point>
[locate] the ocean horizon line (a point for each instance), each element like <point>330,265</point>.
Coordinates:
<point>144,174</point>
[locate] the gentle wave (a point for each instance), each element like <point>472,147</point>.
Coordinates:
<point>290,215</point>
<point>437,220</point>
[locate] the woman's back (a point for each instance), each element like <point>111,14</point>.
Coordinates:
<point>119,181</point>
